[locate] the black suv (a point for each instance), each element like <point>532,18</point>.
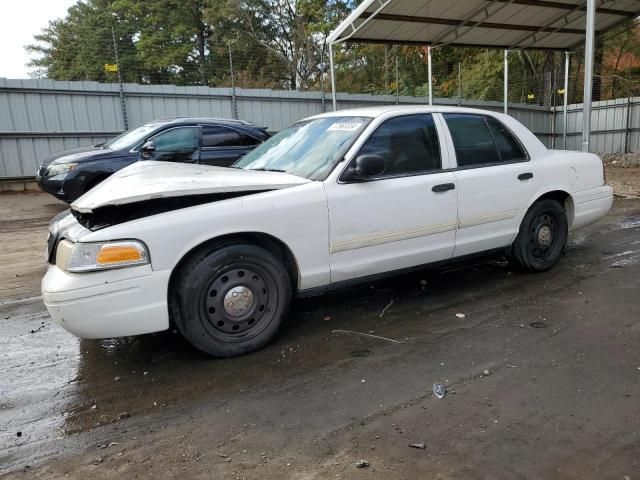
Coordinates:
<point>209,141</point>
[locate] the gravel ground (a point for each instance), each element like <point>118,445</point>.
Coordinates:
<point>621,160</point>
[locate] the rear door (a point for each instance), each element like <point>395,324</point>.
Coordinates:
<point>495,178</point>
<point>222,146</point>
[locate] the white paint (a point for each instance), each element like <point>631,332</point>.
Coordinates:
<point>151,179</point>
<point>336,231</point>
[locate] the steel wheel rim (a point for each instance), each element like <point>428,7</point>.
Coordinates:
<point>544,235</point>
<point>250,315</point>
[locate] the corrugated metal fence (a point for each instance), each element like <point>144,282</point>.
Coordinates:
<point>40,117</point>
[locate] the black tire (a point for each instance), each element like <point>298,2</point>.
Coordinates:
<point>231,300</point>
<point>542,236</point>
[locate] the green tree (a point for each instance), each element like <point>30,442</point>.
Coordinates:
<point>78,46</point>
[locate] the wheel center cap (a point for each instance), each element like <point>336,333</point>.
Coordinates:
<point>544,236</point>
<point>238,301</point>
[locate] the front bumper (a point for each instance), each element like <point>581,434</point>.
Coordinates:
<point>114,303</point>
<point>53,186</point>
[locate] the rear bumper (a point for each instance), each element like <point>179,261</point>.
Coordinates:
<point>108,304</point>
<point>591,205</point>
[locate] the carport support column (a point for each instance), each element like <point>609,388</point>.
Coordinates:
<point>430,75</point>
<point>333,78</point>
<point>589,51</point>
<point>506,81</point>
<point>566,100</point>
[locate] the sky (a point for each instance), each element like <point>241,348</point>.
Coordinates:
<point>19,22</point>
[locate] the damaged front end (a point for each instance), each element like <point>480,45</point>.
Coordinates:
<point>151,188</point>
<point>110,215</point>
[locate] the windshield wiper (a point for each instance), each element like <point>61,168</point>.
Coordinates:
<point>262,169</point>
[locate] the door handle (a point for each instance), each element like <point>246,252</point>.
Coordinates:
<point>443,187</point>
<point>525,176</point>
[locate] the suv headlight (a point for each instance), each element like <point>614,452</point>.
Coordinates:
<point>58,168</point>
<point>87,257</point>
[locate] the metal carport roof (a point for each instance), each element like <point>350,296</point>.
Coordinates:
<point>504,24</point>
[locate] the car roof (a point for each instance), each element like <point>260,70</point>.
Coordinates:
<point>401,109</point>
<point>217,121</point>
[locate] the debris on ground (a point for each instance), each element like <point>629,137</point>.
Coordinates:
<point>327,318</point>
<point>366,335</point>
<point>460,315</point>
<point>18,434</point>
<point>123,415</point>
<point>439,390</point>
<point>362,464</point>
<point>421,446</point>
<point>623,160</point>
<point>486,372</point>
<point>538,324</point>
<point>386,308</point>
<point>117,379</point>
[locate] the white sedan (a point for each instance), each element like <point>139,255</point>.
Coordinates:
<point>336,199</point>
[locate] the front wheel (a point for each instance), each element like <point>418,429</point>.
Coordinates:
<point>231,300</point>
<point>542,236</point>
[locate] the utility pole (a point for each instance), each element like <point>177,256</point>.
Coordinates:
<point>397,78</point>
<point>122,100</point>
<point>234,100</point>
<point>459,84</point>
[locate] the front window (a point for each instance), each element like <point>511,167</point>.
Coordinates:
<point>409,145</point>
<point>308,149</point>
<point>181,139</point>
<point>131,138</point>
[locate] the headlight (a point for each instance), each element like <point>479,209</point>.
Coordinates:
<point>86,257</point>
<point>58,168</point>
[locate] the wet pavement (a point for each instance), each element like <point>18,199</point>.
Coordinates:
<point>350,378</point>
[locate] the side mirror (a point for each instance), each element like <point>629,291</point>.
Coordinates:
<point>149,146</point>
<point>368,166</point>
<point>147,149</point>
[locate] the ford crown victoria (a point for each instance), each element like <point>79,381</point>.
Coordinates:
<point>333,200</point>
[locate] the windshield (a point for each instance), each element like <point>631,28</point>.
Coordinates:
<point>131,138</point>
<point>307,149</point>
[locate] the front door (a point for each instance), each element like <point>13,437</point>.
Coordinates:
<point>495,180</point>
<point>177,144</point>
<point>405,216</point>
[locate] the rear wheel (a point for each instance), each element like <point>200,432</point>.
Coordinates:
<point>231,300</point>
<point>542,236</point>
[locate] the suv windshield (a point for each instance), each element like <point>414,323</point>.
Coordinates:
<point>131,138</point>
<point>307,149</point>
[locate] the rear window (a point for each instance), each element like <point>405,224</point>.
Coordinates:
<point>481,140</point>
<point>218,136</point>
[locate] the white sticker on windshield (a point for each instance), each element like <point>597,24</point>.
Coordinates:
<point>344,127</point>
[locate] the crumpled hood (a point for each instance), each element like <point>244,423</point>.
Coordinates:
<point>150,180</point>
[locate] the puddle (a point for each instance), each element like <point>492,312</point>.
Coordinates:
<point>630,222</point>
<point>626,258</point>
